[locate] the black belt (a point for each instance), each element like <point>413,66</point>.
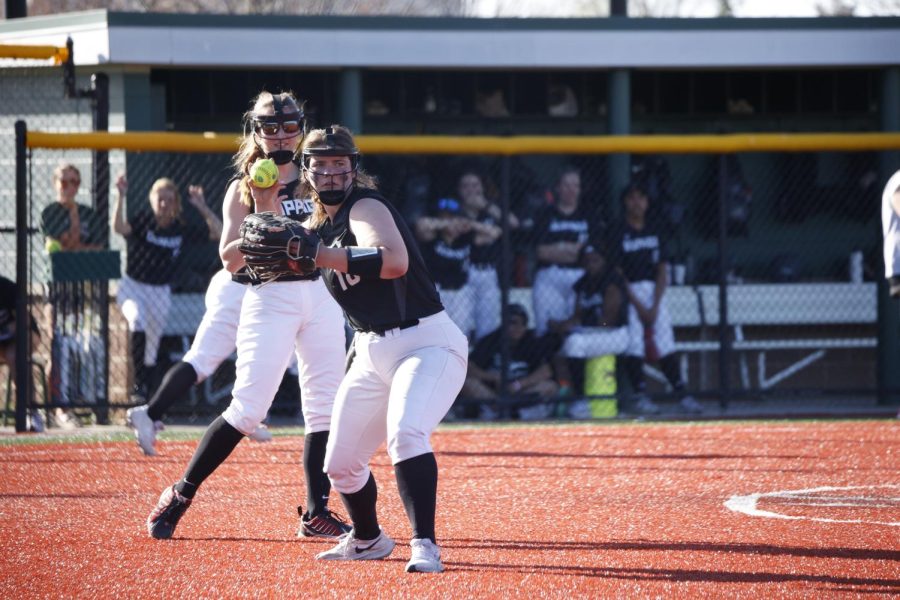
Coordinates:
<point>382,329</point>
<point>246,278</point>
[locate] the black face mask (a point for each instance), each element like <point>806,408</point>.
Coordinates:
<point>281,157</point>
<point>332,197</point>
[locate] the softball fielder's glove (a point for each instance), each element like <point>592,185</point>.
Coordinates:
<point>275,246</point>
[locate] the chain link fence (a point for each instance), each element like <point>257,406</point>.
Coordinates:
<point>505,237</point>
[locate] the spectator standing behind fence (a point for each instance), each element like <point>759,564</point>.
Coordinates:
<point>446,245</point>
<point>530,381</point>
<point>484,286</point>
<point>561,231</point>
<point>67,226</point>
<point>639,250</point>
<point>597,327</point>
<point>154,237</point>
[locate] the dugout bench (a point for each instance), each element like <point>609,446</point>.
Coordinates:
<point>812,313</point>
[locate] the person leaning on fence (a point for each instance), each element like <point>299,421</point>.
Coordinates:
<point>638,249</point>
<point>154,236</point>
<point>598,326</point>
<point>446,244</point>
<point>530,384</point>
<point>279,316</point>
<point>67,226</point>
<point>484,286</point>
<point>561,231</point>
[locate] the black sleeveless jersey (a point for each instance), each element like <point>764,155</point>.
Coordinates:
<point>377,304</point>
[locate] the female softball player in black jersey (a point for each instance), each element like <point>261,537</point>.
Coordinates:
<point>291,314</point>
<point>410,358</point>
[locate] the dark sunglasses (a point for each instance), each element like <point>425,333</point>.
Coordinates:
<point>70,181</point>
<point>270,128</point>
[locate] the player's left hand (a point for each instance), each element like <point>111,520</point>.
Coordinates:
<point>274,245</point>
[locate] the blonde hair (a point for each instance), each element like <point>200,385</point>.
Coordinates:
<point>165,182</point>
<point>249,151</point>
<point>62,168</point>
<point>362,179</point>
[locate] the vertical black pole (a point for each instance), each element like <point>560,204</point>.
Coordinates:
<point>100,292</point>
<point>724,340</point>
<point>16,9</point>
<point>23,327</point>
<point>504,272</point>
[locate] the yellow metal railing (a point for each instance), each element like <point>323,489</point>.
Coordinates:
<point>433,144</point>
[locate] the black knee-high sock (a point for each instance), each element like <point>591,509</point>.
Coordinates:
<point>217,443</point>
<point>361,508</point>
<point>317,484</point>
<point>634,370</point>
<point>669,366</point>
<point>138,347</point>
<point>417,482</point>
<point>176,383</point>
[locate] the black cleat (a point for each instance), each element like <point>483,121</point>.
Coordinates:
<point>164,517</point>
<point>324,525</point>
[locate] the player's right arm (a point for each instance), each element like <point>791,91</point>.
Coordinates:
<point>233,213</point>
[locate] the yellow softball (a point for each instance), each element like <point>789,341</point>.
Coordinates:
<point>264,173</point>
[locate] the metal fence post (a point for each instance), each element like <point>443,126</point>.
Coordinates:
<point>724,339</point>
<point>23,314</point>
<point>100,289</point>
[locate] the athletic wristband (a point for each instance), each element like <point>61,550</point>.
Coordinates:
<point>364,262</point>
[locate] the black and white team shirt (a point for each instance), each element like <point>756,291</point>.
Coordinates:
<point>552,226</point>
<point>589,293</point>
<point>153,250</point>
<point>486,255</point>
<point>374,304</point>
<point>448,261</point>
<point>638,251</point>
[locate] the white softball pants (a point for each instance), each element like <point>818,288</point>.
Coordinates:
<point>145,308</point>
<point>460,306</point>
<point>398,389</point>
<point>663,334</point>
<point>588,342</point>
<point>485,289</point>
<point>216,337</point>
<point>552,295</point>
<point>277,318</point>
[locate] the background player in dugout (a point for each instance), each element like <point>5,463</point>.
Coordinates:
<point>530,376</point>
<point>154,237</point>
<point>639,250</point>
<point>561,230</point>
<point>598,325</point>
<point>410,358</point>
<point>293,314</point>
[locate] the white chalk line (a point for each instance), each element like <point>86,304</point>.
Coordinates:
<point>748,504</point>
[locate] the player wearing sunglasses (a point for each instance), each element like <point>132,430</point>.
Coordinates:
<point>293,314</point>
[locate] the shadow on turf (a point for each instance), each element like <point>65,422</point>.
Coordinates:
<point>764,549</point>
<point>684,575</point>
<point>625,456</point>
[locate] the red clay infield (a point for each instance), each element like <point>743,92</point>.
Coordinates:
<point>552,512</point>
